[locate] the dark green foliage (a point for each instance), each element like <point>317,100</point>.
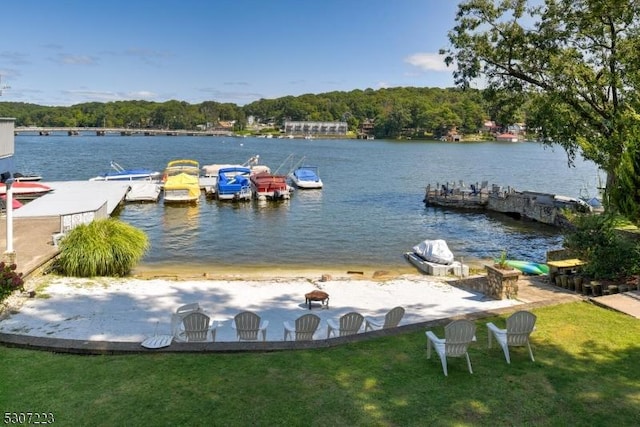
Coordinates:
<point>397,112</point>
<point>571,66</point>
<point>609,255</point>
<point>106,247</point>
<point>9,280</point>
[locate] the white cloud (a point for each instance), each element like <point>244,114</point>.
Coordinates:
<point>427,61</point>
<point>141,94</point>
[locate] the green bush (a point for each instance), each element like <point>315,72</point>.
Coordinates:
<point>106,247</point>
<point>9,280</point>
<point>609,255</point>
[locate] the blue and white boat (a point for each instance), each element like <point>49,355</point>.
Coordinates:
<point>234,183</point>
<point>121,174</point>
<point>306,178</point>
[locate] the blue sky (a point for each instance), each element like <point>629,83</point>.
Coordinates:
<point>67,52</point>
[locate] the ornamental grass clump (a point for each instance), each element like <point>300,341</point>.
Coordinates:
<point>10,280</point>
<point>106,247</point>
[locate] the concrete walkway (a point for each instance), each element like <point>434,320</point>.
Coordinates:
<point>625,302</point>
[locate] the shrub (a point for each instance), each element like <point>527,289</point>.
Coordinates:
<point>609,255</point>
<point>9,280</point>
<point>106,247</point>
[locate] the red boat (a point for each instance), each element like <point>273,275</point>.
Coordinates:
<point>26,190</point>
<point>15,203</point>
<point>272,187</point>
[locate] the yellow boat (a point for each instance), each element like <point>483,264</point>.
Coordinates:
<point>181,180</point>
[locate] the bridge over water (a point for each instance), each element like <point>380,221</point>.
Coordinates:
<point>102,131</point>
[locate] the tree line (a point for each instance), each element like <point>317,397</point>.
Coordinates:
<point>395,112</point>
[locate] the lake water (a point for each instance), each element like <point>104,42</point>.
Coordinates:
<point>369,213</point>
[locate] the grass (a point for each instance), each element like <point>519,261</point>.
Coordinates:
<point>105,247</point>
<point>586,373</point>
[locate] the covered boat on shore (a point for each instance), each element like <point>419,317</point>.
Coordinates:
<point>433,257</point>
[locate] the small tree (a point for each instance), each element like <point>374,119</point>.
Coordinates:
<point>608,254</point>
<point>107,247</point>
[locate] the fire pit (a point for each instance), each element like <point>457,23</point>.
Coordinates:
<point>321,296</point>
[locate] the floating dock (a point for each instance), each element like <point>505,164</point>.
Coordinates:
<point>71,197</point>
<point>143,191</point>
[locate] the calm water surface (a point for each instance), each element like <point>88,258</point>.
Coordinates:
<point>369,213</point>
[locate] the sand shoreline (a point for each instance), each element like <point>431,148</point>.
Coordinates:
<point>133,308</point>
<point>261,272</point>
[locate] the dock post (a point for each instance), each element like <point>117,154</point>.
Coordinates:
<point>9,255</point>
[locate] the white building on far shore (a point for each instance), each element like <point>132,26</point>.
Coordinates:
<point>315,128</point>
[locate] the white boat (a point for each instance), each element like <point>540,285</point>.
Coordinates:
<point>306,178</point>
<point>211,171</point>
<point>181,181</point>
<point>18,177</point>
<point>433,257</point>
<point>121,174</point>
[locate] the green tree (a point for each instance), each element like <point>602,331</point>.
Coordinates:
<point>576,61</point>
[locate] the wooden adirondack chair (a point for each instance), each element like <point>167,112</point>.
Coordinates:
<point>391,320</point>
<point>457,337</point>
<point>520,325</point>
<point>303,328</point>
<point>349,324</point>
<point>248,325</point>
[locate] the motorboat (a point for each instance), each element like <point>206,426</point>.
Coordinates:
<point>26,190</point>
<point>19,177</point>
<point>272,187</point>
<point>181,183</point>
<point>118,173</point>
<point>434,257</point>
<point>234,183</point>
<point>306,178</point>
<point>209,176</point>
<point>211,171</point>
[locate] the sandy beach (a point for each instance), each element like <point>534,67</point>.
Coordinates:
<point>132,309</point>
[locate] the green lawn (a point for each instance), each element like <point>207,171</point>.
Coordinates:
<point>587,372</point>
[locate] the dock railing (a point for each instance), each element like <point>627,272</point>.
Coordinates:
<point>451,194</point>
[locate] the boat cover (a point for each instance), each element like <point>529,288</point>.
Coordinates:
<point>306,174</point>
<point>434,251</point>
<point>183,181</point>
